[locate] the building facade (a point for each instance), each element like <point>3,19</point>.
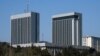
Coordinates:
<point>67,29</point>
<point>25,28</point>
<point>91,41</point>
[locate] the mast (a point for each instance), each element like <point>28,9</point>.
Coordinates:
<point>27,5</point>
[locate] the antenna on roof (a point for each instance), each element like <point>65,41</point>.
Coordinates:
<point>27,6</point>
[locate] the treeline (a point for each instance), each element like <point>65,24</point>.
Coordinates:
<point>7,50</point>
<point>70,51</point>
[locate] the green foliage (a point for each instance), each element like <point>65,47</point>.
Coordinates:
<point>58,54</point>
<point>91,50</point>
<point>18,49</point>
<point>98,54</point>
<point>45,53</point>
<point>1,51</point>
<point>70,51</point>
<point>6,50</point>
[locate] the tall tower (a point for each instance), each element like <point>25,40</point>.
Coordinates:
<point>67,29</point>
<point>25,28</point>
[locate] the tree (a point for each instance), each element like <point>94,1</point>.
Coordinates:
<point>91,50</point>
<point>45,53</point>
<point>18,49</point>
<point>84,53</point>
<point>98,54</point>
<point>1,51</point>
<point>58,54</point>
<point>36,50</point>
<point>70,51</point>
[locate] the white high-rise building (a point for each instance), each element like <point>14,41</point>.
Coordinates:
<point>25,28</point>
<point>91,41</point>
<point>67,29</point>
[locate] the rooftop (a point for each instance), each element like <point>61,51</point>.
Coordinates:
<point>22,15</point>
<point>65,14</point>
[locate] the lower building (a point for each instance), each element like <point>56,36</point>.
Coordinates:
<point>91,41</point>
<point>52,48</point>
